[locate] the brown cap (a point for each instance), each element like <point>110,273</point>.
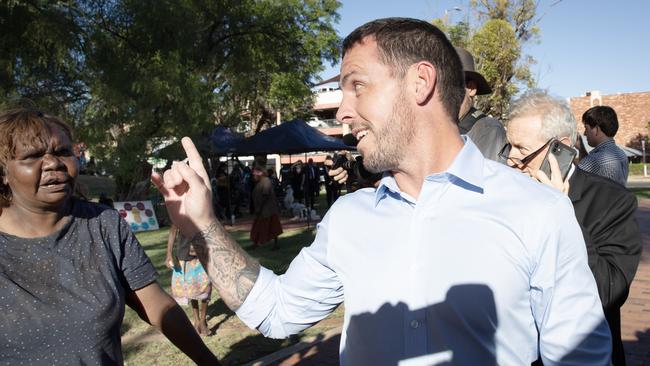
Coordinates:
<point>467,60</point>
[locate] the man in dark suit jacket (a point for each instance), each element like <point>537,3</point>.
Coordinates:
<point>604,209</point>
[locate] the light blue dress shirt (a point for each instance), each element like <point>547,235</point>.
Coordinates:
<point>471,272</point>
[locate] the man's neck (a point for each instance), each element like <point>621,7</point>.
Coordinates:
<point>604,141</point>
<point>427,156</point>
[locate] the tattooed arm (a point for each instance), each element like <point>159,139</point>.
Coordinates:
<point>275,305</point>
<point>188,197</point>
<point>230,268</point>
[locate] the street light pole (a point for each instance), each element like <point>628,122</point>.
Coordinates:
<point>455,8</point>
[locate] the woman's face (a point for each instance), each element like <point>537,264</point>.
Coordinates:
<point>42,176</point>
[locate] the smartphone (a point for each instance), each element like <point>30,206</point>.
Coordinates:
<point>564,154</point>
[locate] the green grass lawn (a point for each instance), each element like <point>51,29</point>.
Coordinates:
<point>637,169</point>
<point>641,193</point>
<point>233,342</point>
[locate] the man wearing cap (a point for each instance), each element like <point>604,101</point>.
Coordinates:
<point>486,132</point>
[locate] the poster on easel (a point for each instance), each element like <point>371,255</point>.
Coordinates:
<point>138,214</point>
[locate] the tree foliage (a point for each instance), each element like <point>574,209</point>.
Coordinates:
<point>495,38</point>
<point>130,74</point>
<point>41,54</point>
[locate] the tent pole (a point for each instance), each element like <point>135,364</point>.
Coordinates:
<point>306,200</point>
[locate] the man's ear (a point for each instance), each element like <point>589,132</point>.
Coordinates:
<point>597,131</point>
<point>425,81</point>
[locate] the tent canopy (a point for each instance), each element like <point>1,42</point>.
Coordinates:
<point>291,137</point>
<point>218,142</point>
<point>223,140</point>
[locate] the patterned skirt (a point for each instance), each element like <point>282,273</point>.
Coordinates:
<point>190,282</point>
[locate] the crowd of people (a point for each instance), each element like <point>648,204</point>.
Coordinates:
<point>450,256</point>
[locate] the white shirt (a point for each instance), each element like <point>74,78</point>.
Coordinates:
<point>466,274</point>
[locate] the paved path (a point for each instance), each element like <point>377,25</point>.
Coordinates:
<point>638,181</point>
<point>635,316</point>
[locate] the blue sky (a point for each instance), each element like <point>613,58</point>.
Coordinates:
<point>584,45</point>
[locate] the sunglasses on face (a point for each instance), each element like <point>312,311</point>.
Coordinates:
<point>504,155</point>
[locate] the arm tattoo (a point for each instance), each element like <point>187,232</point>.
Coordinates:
<point>230,268</point>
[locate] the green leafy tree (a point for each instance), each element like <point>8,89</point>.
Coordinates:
<point>131,74</point>
<point>41,54</point>
<point>495,36</point>
<point>497,50</point>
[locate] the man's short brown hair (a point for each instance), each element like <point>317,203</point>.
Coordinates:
<point>603,117</point>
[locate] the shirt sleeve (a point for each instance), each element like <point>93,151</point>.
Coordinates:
<point>564,299</point>
<point>590,163</point>
<point>279,306</point>
<point>137,269</point>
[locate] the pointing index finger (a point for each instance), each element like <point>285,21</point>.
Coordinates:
<point>194,159</point>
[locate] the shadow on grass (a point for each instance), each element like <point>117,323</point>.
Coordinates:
<point>215,309</point>
<point>129,350</point>
<point>124,328</point>
<point>254,347</point>
<point>319,351</point>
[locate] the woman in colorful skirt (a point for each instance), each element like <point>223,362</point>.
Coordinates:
<point>266,226</point>
<point>190,282</point>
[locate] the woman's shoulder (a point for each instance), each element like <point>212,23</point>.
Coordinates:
<point>93,211</point>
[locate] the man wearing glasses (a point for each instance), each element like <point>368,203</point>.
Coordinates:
<point>604,209</point>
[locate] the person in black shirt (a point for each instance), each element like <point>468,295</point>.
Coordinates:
<point>67,266</point>
<point>486,132</point>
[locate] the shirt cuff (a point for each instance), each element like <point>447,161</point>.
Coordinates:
<point>259,302</point>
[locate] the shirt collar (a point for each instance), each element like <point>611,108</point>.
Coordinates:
<point>466,171</point>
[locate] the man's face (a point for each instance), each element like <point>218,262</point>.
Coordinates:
<point>524,135</point>
<point>590,134</point>
<point>468,101</point>
<point>377,106</point>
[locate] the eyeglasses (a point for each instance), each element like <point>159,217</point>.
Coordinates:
<point>504,155</point>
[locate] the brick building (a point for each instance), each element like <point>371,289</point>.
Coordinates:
<point>633,110</point>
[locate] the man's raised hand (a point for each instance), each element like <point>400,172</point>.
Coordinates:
<point>187,192</point>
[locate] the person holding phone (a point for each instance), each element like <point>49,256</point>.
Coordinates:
<point>540,132</point>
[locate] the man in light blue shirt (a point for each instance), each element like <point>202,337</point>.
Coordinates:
<point>452,259</point>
